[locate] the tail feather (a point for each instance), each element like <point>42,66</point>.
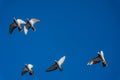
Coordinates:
<point>104,64</point>
<point>60,68</point>
<point>25,30</point>
<point>33,28</point>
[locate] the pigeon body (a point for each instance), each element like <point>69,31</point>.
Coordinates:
<point>99,58</point>
<point>28,68</point>
<point>57,65</point>
<point>30,24</point>
<point>16,24</point>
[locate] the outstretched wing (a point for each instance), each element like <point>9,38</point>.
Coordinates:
<point>34,20</point>
<point>51,68</point>
<point>94,61</point>
<point>20,21</point>
<point>12,27</point>
<point>61,61</point>
<point>24,71</point>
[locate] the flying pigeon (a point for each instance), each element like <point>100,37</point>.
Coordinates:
<point>58,64</point>
<point>16,24</point>
<point>99,58</point>
<point>28,68</point>
<point>30,24</point>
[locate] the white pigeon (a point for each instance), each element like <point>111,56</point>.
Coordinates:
<point>58,64</point>
<point>30,24</point>
<point>99,58</point>
<point>16,24</point>
<point>28,68</point>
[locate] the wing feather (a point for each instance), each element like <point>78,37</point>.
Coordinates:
<point>20,21</point>
<point>94,61</point>
<point>24,71</point>
<point>12,27</point>
<point>51,68</point>
<point>61,61</point>
<point>34,20</point>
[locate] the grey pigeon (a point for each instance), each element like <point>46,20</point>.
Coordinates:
<point>28,68</point>
<point>58,64</point>
<point>16,24</point>
<point>30,24</point>
<point>99,58</point>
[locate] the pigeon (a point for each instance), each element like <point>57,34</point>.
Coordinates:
<point>99,58</point>
<point>30,24</point>
<point>16,24</point>
<point>28,68</point>
<point>58,64</point>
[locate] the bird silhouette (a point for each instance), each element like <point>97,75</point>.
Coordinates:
<point>16,24</point>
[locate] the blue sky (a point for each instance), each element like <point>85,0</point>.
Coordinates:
<point>77,29</point>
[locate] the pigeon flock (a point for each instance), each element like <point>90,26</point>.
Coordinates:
<point>58,64</point>
<point>17,23</point>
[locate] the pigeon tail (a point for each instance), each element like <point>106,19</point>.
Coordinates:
<point>104,63</point>
<point>25,30</point>
<point>60,68</point>
<point>20,29</point>
<point>31,73</point>
<point>33,28</point>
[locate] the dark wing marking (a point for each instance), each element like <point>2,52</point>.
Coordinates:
<point>24,71</point>
<point>12,27</point>
<point>51,68</point>
<point>28,26</point>
<point>95,60</point>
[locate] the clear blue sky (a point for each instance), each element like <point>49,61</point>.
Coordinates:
<point>77,29</point>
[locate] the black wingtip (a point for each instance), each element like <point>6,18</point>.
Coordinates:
<point>46,71</point>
